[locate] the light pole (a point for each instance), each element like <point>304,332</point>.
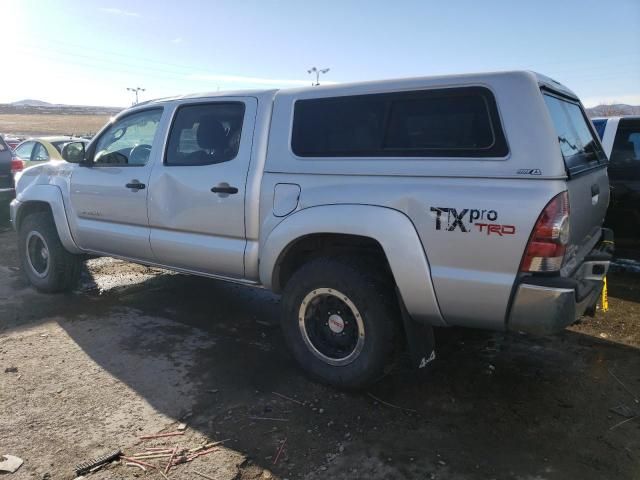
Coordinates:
<point>318,72</point>
<point>136,90</point>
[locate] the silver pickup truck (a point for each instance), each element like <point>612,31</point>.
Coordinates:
<point>378,210</point>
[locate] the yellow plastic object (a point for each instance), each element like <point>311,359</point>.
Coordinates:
<point>604,301</point>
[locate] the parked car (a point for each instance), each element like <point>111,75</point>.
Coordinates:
<point>43,149</point>
<point>378,210</point>
<point>7,169</point>
<point>621,142</point>
<point>12,141</point>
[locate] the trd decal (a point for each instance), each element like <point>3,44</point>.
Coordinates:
<point>470,220</point>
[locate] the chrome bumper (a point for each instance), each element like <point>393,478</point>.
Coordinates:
<point>545,310</point>
<point>544,306</point>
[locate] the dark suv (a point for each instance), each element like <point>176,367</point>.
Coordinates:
<point>621,141</point>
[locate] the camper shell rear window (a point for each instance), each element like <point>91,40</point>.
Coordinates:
<point>451,122</point>
<point>581,150</point>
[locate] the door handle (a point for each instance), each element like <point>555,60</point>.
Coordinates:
<point>224,189</point>
<point>135,185</point>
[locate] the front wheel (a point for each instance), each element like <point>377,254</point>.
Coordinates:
<point>340,319</point>
<point>45,262</point>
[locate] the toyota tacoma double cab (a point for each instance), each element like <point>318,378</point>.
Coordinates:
<point>378,210</point>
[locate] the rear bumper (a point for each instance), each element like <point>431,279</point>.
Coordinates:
<point>545,305</point>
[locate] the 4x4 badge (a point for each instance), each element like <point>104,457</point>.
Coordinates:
<point>529,171</point>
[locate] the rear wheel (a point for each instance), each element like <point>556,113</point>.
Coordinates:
<point>45,262</point>
<point>339,319</point>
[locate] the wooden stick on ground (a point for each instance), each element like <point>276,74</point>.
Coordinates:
<point>173,454</point>
<point>132,464</point>
<point>288,398</point>
<point>270,418</point>
<point>161,435</point>
<point>133,460</point>
<point>275,460</point>
<point>391,405</point>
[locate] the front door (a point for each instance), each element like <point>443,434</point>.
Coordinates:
<point>109,191</point>
<point>196,197</point>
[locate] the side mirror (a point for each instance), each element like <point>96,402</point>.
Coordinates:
<point>73,152</point>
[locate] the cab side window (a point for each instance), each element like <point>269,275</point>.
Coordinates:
<point>205,134</point>
<point>624,163</point>
<point>40,153</point>
<point>128,141</point>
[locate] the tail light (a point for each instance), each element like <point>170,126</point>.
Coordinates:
<point>548,242</point>
<point>17,165</point>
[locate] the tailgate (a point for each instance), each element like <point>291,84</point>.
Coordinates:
<point>587,183</point>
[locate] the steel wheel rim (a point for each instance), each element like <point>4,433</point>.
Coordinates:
<point>331,326</point>
<point>37,254</point>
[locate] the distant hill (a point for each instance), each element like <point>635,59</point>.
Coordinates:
<point>614,110</point>
<point>31,103</point>
<point>30,106</point>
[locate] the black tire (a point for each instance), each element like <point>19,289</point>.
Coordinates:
<point>372,294</point>
<point>57,270</point>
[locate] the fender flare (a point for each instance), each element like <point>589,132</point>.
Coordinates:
<point>51,195</point>
<point>392,229</point>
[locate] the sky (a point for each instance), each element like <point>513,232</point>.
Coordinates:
<point>88,52</point>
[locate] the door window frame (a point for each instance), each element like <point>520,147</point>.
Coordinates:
<point>90,152</point>
<point>201,104</point>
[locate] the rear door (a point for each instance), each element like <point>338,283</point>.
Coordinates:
<point>585,163</point>
<point>197,195</point>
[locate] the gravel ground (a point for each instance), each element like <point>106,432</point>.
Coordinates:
<point>138,351</point>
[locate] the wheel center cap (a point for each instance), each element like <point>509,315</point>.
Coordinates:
<point>336,323</point>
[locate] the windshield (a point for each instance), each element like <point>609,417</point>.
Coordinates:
<point>579,147</point>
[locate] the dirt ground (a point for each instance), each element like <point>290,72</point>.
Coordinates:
<point>51,124</point>
<point>137,351</point>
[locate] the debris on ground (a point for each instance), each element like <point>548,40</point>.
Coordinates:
<point>161,435</point>
<point>93,464</point>
<point>11,370</point>
<point>623,410</point>
<point>10,463</point>
<point>168,457</point>
<point>288,398</point>
<point>391,405</point>
<point>275,460</point>
<point>182,427</point>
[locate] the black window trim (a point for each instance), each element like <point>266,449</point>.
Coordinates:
<point>499,142</point>
<point>200,104</point>
<point>90,153</point>
<point>581,169</point>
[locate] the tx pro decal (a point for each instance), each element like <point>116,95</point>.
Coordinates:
<point>470,220</point>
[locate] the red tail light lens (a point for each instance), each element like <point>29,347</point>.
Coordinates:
<point>17,165</point>
<point>547,244</point>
